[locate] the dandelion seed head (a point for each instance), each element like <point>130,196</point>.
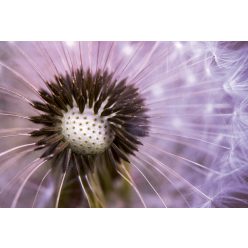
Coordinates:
<point>90,114</point>
<point>86,132</point>
<point>156,116</point>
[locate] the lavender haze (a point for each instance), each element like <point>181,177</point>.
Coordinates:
<point>183,146</point>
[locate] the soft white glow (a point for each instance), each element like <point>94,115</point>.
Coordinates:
<point>157,90</point>
<point>177,122</point>
<point>208,71</point>
<point>70,43</point>
<point>191,78</point>
<point>127,50</point>
<point>178,45</point>
<point>209,108</point>
<point>228,86</point>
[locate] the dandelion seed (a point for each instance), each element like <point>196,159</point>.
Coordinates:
<point>99,124</point>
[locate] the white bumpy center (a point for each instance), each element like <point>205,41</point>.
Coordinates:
<point>86,132</point>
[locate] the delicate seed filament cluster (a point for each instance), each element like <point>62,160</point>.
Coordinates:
<point>90,115</point>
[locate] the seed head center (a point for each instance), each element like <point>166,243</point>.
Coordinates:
<point>86,132</point>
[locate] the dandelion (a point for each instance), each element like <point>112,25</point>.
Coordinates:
<point>234,193</point>
<point>113,124</point>
<point>233,190</point>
